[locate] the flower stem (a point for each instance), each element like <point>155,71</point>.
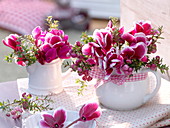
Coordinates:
<point>73,123</point>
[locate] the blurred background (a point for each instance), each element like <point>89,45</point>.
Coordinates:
<point>75,17</point>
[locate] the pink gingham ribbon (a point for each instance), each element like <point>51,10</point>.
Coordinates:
<point>99,74</point>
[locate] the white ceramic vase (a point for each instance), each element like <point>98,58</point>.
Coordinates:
<point>128,96</point>
<point>45,79</point>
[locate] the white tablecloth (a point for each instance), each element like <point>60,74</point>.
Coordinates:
<point>155,113</point>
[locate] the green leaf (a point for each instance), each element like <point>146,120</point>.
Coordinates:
<point>1,104</point>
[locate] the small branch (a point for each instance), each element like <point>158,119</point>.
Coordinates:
<point>73,123</point>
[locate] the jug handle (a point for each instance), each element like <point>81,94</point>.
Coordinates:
<point>66,74</point>
<point>158,84</point>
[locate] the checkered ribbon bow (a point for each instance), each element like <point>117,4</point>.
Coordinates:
<point>99,74</point>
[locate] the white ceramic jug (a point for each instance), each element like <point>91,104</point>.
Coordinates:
<point>128,96</point>
<point>46,79</point>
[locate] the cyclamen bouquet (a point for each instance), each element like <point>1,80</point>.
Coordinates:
<point>115,51</point>
<point>41,46</point>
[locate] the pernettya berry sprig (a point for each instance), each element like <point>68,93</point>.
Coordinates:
<point>15,108</point>
<point>57,120</point>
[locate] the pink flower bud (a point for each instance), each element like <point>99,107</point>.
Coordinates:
<point>78,62</point>
<point>84,77</point>
<point>72,54</point>
<point>13,112</point>
<point>153,67</point>
<point>86,72</point>
<point>18,109</point>
<point>125,67</point>
<point>78,43</point>
<point>127,72</point>
<point>91,61</point>
<point>130,69</point>
<point>8,114</point>
<point>14,117</point>
<point>29,95</point>
<point>23,94</point>
<point>110,24</point>
<point>25,105</point>
<point>128,61</point>
<point>74,67</point>
<point>79,69</point>
<point>89,78</point>
<point>158,57</point>
<point>144,59</point>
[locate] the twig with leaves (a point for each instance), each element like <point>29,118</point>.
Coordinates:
<point>26,103</point>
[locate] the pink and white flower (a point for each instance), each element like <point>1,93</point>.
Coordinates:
<point>12,41</point>
<point>53,121</point>
<point>53,44</point>
<point>89,112</point>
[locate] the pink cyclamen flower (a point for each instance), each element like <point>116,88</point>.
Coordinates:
<point>103,38</point>
<point>49,53</point>
<point>127,53</point>
<point>89,112</point>
<point>140,37</point>
<point>137,51</point>
<point>52,39</point>
<point>134,39</point>
<point>140,50</point>
<point>142,26</point>
<point>11,41</point>
<point>36,33</point>
<point>145,59</point>
<point>112,61</point>
<point>128,37</point>
<point>87,49</point>
<point>63,51</point>
<point>53,121</point>
<point>59,33</point>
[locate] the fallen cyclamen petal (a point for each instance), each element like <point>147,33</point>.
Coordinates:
<point>43,124</point>
<point>59,113</point>
<point>53,121</point>
<point>95,115</point>
<point>49,119</point>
